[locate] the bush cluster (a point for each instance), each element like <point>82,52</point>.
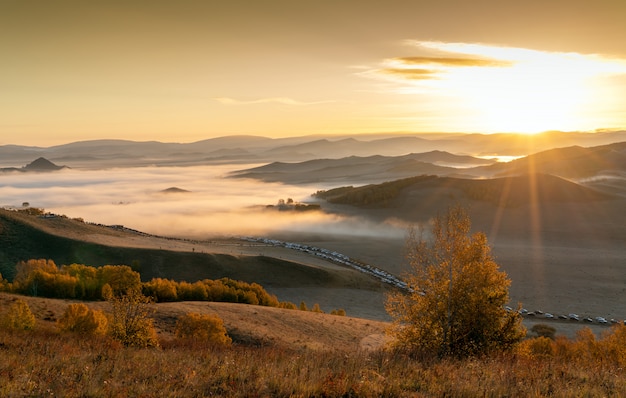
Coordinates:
<point>81,319</point>
<point>76,281</point>
<point>225,289</point>
<point>44,278</point>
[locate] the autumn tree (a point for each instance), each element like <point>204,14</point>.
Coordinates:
<point>455,296</point>
<point>130,321</point>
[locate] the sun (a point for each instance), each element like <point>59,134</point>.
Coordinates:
<point>506,89</point>
<point>535,93</point>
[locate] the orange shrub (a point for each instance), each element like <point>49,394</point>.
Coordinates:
<point>208,328</point>
<point>79,318</point>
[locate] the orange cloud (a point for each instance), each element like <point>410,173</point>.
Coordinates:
<point>454,62</point>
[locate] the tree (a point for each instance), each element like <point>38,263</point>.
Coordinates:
<point>454,303</point>
<point>130,321</point>
<point>120,278</point>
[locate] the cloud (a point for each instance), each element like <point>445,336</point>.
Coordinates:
<point>412,74</point>
<point>428,67</point>
<point>270,100</point>
<point>453,62</point>
<point>214,205</point>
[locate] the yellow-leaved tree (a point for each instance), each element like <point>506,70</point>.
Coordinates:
<point>130,321</point>
<point>454,304</point>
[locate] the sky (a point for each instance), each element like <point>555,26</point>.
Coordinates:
<point>188,70</point>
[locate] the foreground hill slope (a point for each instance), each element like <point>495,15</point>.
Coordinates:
<point>245,324</point>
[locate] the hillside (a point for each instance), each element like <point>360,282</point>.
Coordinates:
<point>246,324</point>
<point>569,162</point>
<point>291,275</point>
<point>505,192</point>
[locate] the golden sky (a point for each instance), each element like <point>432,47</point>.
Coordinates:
<point>187,70</point>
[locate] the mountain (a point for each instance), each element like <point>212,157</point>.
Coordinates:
<point>174,190</point>
<point>256,149</point>
<point>569,162</point>
<point>39,165</point>
<point>513,191</point>
<point>42,164</point>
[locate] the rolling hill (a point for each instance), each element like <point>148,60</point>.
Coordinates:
<point>67,241</point>
<point>570,162</point>
<point>505,192</point>
<point>355,169</point>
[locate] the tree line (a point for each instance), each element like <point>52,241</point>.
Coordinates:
<point>43,278</point>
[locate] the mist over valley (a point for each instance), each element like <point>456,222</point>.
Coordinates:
<point>554,216</point>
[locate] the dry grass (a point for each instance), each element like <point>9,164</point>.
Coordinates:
<point>285,353</point>
<point>46,364</point>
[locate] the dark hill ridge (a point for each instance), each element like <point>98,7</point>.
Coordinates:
<point>42,164</point>
<point>569,162</point>
<point>503,192</point>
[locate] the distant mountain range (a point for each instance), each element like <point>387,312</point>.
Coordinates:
<point>368,169</point>
<point>254,149</point>
<point>594,166</point>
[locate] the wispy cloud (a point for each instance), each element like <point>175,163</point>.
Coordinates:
<point>269,100</point>
<point>443,61</point>
<point>453,62</point>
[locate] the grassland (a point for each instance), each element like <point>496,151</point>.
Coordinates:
<point>333,362</point>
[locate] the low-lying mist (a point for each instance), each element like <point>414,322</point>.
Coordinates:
<point>208,203</point>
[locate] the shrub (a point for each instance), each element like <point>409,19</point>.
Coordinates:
<point>79,318</point>
<point>287,305</point>
<point>316,308</point>
<point>207,328</point>
<point>541,347</point>
<point>543,330</point>
<point>339,312</point>
<point>19,317</point>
